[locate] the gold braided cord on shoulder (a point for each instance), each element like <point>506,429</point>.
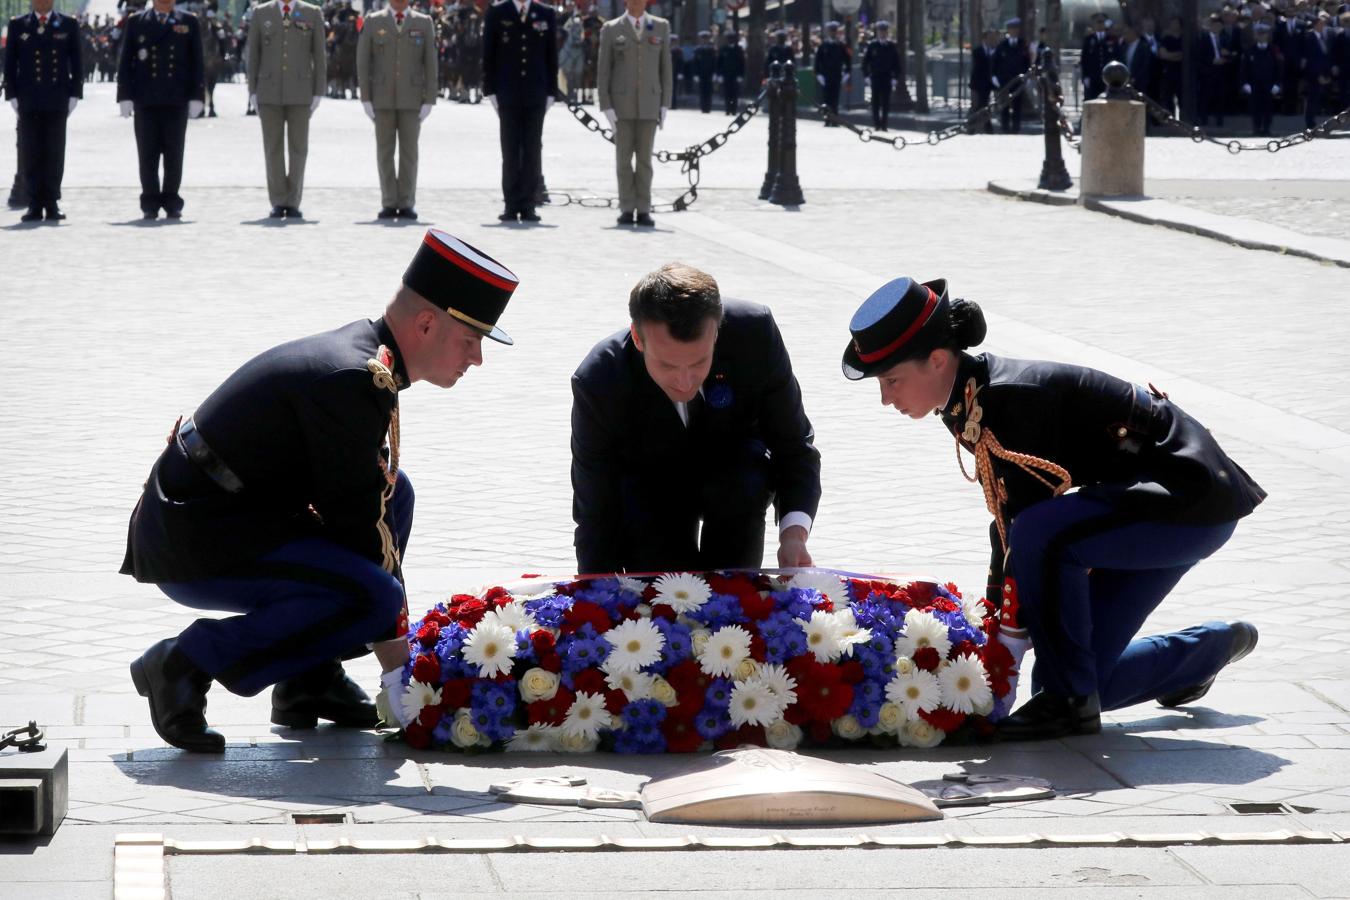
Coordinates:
<point>388,547</point>
<point>986,448</point>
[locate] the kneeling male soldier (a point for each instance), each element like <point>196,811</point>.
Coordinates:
<point>690,415</point>
<point>280,500</point>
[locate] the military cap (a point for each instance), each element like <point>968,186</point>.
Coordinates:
<point>891,322</point>
<point>883,25</point>
<point>1261,26</point>
<point>1014,22</point>
<point>705,33</point>
<point>462,280</point>
<point>831,25</point>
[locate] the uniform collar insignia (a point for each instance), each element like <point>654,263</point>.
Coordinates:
<point>381,369</point>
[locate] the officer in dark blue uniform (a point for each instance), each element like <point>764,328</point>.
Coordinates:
<point>685,427</point>
<point>161,77</point>
<point>44,79</point>
<point>982,75</point>
<point>731,69</point>
<point>705,67</point>
<point>1155,495</point>
<point>781,51</point>
<point>1011,59</point>
<point>1262,72</point>
<point>520,78</point>
<point>881,66</point>
<point>832,65</point>
<point>1099,48</point>
<point>281,500</point>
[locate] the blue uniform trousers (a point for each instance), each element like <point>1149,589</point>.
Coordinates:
<point>307,602</point>
<point>1088,575</point>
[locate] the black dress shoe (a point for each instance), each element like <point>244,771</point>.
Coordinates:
<point>408,213</point>
<point>626,218</point>
<point>33,215</point>
<point>293,212</point>
<point>324,692</point>
<point>54,213</point>
<point>150,215</point>
<point>177,693</point>
<point>173,213</point>
<point>529,215</point>
<point>1244,642</point>
<point>508,216</point>
<point>1047,716</point>
<point>387,212</point>
<point>212,113</point>
<point>645,220</point>
<point>278,212</point>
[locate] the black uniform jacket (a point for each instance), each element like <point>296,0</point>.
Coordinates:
<point>520,59</point>
<point>881,61</point>
<point>302,426</point>
<point>161,64</point>
<point>1118,441</point>
<point>43,71</point>
<point>624,425</point>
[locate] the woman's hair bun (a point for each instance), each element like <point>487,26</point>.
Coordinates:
<point>968,328</point>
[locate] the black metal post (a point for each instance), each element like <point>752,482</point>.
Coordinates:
<point>774,99</point>
<point>787,190</point>
<point>1054,176</point>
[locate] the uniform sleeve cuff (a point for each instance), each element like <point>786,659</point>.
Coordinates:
<point>795,518</point>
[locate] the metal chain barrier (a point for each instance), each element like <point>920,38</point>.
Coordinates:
<point>1056,96</point>
<point>1163,116</point>
<point>689,158</point>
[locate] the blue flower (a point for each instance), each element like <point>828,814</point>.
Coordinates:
<point>712,723</point>
<point>441,733</point>
<point>643,714</point>
<point>497,699</point>
<point>678,646</point>
<point>582,650</point>
<point>718,695</point>
<point>640,740</point>
<point>549,610</point>
<point>719,610</point>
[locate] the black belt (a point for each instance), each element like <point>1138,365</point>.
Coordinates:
<point>197,450</point>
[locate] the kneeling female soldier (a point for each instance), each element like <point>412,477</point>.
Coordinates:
<point>1081,571</point>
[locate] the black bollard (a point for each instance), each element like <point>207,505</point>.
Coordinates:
<point>787,190</point>
<point>773,99</point>
<point>1054,177</point>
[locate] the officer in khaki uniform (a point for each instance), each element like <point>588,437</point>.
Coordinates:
<point>634,78</point>
<point>397,71</point>
<point>287,76</point>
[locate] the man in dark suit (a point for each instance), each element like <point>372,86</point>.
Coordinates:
<point>832,66</point>
<point>881,67</point>
<point>520,79</point>
<point>1317,68</point>
<point>1340,58</point>
<point>705,67</point>
<point>982,76</point>
<point>1099,48</point>
<point>691,415</point>
<point>1212,59</point>
<point>281,500</point>
<point>162,79</point>
<point>44,79</point>
<point>1262,71</point>
<point>1011,59</point>
<point>1170,56</point>
<point>731,69</point>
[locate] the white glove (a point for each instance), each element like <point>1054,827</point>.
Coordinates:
<point>492,98</point>
<point>252,101</point>
<point>369,108</point>
<point>661,122</point>
<point>70,107</point>
<point>15,104</point>
<point>1275,90</point>
<point>613,118</point>
<point>1017,647</point>
<point>314,104</point>
<point>124,106</point>
<point>195,108</point>
<point>424,112</point>
<point>548,104</point>
<point>847,78</point>
<point>994,80</point>
<point>392,683</point>
<point>820,79</point>
<point>1246,89</point>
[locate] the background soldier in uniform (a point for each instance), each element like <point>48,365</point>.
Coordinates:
<point>982,76</point>
<point>520,80</point>
<point>1262,71</point>
<point>731,69</point>
<point>635,86</point>
<point>44,79</point>
<point>279,500</point>
<point>287,75</point>
<point>161,78</point>
<point>396,68</point>
<point>213,57</point>
<point>881,66</point>
<point>705,67</point>
<point>832,68</point>
<point>780,52</point>
<point>1011,59</point>
<point>1099,48</point>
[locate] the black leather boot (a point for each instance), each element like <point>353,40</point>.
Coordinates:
<point>177,693</point>
<point>1046,716</point>
<point>324,692</point>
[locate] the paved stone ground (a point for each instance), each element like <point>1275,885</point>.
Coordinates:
<point>120,327</point>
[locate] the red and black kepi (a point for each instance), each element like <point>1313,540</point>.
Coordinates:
<point>900,318</point>
<point>462,280</point>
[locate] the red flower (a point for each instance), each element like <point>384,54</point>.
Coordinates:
<point>943,718</point>
<point>551,662</point>
<point>417,736</point>
<point>435,615</point>
<point>757,608</point>
<point>542,642</point>
<point>467,609</point>
<point>681,735</point>
<point>456,693</point>
<point>946,605</point>
<point>746,734</point>
<point>498,597</point>
<point>821,690</point>
<point>589,681</point>
<point>664,611</point>
<point>584,611</point>
<point>927,658</point>
<point>428,633</point>
<point>999,663</point>
<point>759,651</point>
<point>953,590</point>
<point>686,676</point>
<point>615,701</point>
<point>820,732</point>
<point>965,648</point>
<point>825,605</point>
<point>427,668</point>
<point>852,672</point>
<point>430,716</point>
<point>551,712</point>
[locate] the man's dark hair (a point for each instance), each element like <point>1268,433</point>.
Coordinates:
<point>682,297</point>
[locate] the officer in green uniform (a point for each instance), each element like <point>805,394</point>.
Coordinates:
<point>396,69</point>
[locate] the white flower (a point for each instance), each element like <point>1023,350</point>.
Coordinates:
<point>903,665</point>
<point>822,635</point>
<point>636,685</point>
<point>538,738</point>
<point>698,639</point>
<point>777,679</point>
<point>575,743</point>
<point>682,591</point>
<point>491,648</point>
<point>973,609</point>
<point>513,615</point>
<point>418,695</point>
<point>636,643</point>
<point>890,718</point>
<point>964,684</point>
<point>632,585</point>
<point>823,583</point>
<point>725,650</point>
<point>754,703</point>
<point>848,728</point>
<point>783,735</point>
<point>586,716</point>
<point>538,684</point>
<point>664,692</point>
<point>462,732</point>
<point>922,630</point>
<point>916,691</point>
<point>849,632</point>
<point>918,733</point>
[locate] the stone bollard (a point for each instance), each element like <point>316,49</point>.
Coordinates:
<point>787,190</point>
<point>773,100</point>
<point>1113,140</point>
